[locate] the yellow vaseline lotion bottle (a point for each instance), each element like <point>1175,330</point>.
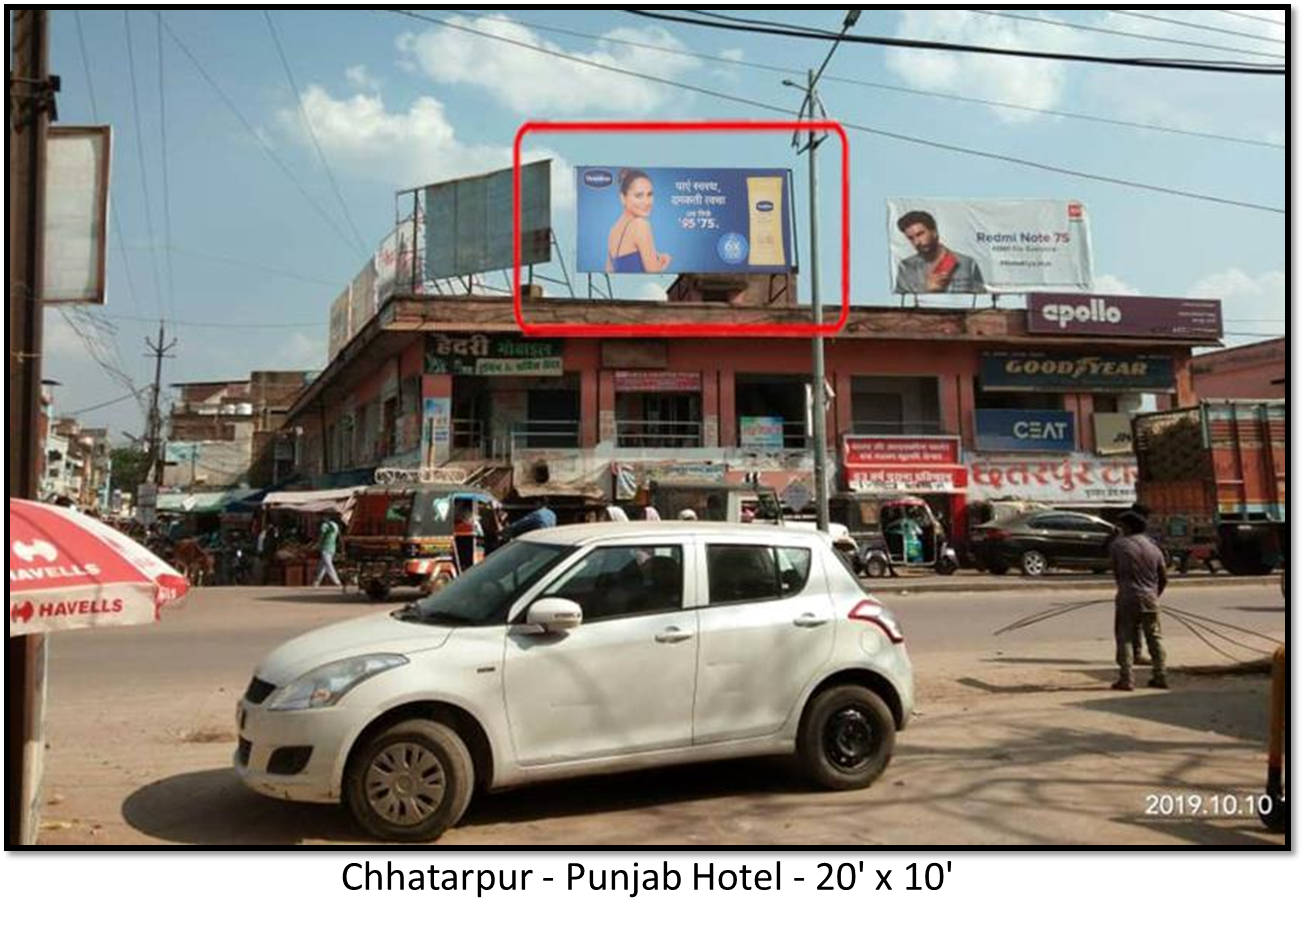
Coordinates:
<point>765,214</point>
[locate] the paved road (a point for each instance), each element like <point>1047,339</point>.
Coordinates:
<point>1018,739</point>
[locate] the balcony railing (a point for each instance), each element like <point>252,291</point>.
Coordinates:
<point>658,433</point>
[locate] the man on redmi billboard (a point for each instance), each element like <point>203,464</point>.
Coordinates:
<point>992,245</point>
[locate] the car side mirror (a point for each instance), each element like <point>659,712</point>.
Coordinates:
<point>551,615</point>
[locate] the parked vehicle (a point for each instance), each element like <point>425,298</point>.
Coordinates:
<point>1037,541</point>
<point>980,513</point>
<point>578,650</point>
<point>1214,479</point>
<point>416,536</point>
<point>895,532</point>
<point>740,504</point>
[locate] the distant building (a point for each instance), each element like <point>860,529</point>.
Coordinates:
<point>76,463</point>
<point>227,433</point>
<point>1253,371</point>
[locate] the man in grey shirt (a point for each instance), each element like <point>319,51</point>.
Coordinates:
<point>1140,577</point>
<point>934,268</point>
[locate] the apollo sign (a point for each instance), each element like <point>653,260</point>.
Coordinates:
<point>1125,316</point>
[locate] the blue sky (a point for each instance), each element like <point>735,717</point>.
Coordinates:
<point>395,102</point>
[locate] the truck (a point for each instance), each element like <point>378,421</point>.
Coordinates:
<point>1213,477</point>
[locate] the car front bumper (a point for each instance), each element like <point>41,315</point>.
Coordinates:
<point>269,756</point>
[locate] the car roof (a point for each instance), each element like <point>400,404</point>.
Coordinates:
<point>635,531</point>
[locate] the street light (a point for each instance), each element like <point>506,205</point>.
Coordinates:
<point>819,399</point>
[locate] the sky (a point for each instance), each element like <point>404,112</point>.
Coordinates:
<point>245,197</point>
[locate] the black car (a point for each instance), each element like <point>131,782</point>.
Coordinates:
<point>1037,541</point>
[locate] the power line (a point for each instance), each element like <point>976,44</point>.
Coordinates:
<point>312,133</point>
<point>163,147</point>
<point>1225,67</point>
<point>897,88</point>
<point>232,325</point>
<point>1102,30</point>
<point>1200,26</point>
<point>258,139</point>
<point>250,265</point>
<point>1258,19</point>
<point>97,407</point>
<point>140,160</point>
<point>757,104</point>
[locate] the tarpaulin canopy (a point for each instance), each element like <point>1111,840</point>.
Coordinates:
<point>315,501</point>
<point>201,502</point>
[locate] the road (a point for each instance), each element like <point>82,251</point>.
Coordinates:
<point>1017,739</point>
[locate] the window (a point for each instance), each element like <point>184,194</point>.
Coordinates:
<point>747,573</point>
<point>616,582</point>
<point>895,405</point>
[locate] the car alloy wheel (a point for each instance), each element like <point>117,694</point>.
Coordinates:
<point>405,784</point>
<point>1034,563</point>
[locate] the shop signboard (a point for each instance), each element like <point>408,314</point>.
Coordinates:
<point>895,465</point>
<point>1124,316</point>
<point>1040,371</point>
<point>1031,431</point>
<point>1113,433</point>
<point>1067,479</point>
<point>760,432</point>
<point>656,381</point>
<point>485,355</point>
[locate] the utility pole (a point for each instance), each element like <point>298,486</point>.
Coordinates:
<point>31,106</point>
<point>158,350</point>
<point>813,109</point>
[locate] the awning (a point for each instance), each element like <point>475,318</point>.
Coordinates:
<point>317,501</point>
<point>201,502</point>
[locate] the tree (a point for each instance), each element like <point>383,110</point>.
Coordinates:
<point>130,467</point>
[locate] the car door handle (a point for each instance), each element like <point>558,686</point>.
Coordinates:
<point>810,620</point>
<point>673,635</point>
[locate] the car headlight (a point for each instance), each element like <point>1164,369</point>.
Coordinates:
<point>326,684</point>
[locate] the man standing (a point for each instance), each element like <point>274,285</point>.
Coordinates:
<point>541,517</point>
<point>1140,577</point>
<point>326,543</point>
<point>934,268</point>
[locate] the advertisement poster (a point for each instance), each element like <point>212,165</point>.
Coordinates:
<point>894,465</point>
<point>436,431</point>
<point>870,451</point>
<point>1125,316</point>
<point>683,220</point>
<point>1035,371</point>
<point>988,245</point>
<point>1113,433</point>
<point>1024,430</point>
<point>760,432</point>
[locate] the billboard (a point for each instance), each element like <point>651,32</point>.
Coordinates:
<point>395,260</point>
<point>683,220</point>
<point>469,222</point>
<point>1024,430</point>
<point>341,325</point>
<point>362,298</point>
<point>1037,371</point>
<point>988,245</point>
<point>1125,316</point>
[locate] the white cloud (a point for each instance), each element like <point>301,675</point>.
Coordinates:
<point>301,351</point>
<point>1023,81</point>
<point>1250,303</point>
<point>533,83</point>
<point>1111,285</point>
<point>360,78</point>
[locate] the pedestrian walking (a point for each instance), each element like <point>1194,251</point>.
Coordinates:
<point>326,544</point>
<point>1140,578</point>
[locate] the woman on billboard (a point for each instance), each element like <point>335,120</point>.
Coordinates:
<point>630,245</point>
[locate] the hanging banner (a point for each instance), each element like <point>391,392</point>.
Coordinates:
<point>1019,429</point>
<point>1071,479</point>
<point>684,220</point>
<point>76,213</point>
<point>988,245</point>
<point>1036,371</point>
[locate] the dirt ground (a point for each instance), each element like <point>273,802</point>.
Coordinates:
<point>1016,741</point>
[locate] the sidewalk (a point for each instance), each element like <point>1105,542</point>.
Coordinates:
<point>970,581</point>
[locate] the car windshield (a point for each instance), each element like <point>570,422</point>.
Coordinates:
<point>483,594</point>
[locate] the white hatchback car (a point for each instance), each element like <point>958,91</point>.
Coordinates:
<point>581,650</point>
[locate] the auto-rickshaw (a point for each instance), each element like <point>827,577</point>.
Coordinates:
<point>895,532</point>
<point>415,536</point>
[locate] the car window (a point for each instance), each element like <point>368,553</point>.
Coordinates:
<point>794,568</point>
<point>616,582</point>
<point>741,573</point>
<point>1055,522</point>
<point>483,595</point>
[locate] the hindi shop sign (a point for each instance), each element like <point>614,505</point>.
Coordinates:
<point>1024,430</point>
<point>1071,479</point>
<point>1036,371</point>
<point>482,355</point>
<point>760,432</point>
<point>1125,316</point>
<point>656,381</point>
<point>889,465</point>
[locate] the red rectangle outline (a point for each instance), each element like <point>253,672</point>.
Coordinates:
<point>682,329</point>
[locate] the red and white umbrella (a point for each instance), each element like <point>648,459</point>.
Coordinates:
<point>68,571</point>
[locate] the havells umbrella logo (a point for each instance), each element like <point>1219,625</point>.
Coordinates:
<point>597,178</point>
<point>38,548</point>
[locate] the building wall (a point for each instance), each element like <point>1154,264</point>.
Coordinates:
<point>1256,371</point>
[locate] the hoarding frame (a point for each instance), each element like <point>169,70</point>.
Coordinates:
<point>104,173</point>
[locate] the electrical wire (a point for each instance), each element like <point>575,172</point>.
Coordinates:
<point>893,88</point>
<point>1224,67</point>
<point>100,405</point>
<point>301,325</point>
<point>251,265</point>
<point>258,139</point>
<point>1200,26</point>
<point>312,133</point>
<point>140,160</point>
<point>870,130</point>
<point>1103,30</point>
<point>167,186</point>
<point>1257,19</point>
